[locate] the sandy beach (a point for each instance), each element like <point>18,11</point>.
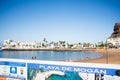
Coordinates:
<point>110,56</point>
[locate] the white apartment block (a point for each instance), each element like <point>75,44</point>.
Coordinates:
<point>114,41</point>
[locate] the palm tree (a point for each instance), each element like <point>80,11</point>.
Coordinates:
<point>44,40</point>
<point>62,43</point>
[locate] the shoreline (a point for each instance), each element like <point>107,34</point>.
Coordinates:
<point>43,49</point>
<point>109,56</point>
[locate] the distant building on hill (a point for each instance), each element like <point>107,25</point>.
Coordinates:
<point>10,44</point>
<point>114,39</point>
<point>21,45</point>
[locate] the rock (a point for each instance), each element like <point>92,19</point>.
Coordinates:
<point>116,33</point>
<point>115,36</point>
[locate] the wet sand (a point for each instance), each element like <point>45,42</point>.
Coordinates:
<point>109,56</point>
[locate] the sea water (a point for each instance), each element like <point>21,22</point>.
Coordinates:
<point>49,55</point>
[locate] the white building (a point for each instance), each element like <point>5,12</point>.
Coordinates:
<point>20,45</point>
<point>114,41</point>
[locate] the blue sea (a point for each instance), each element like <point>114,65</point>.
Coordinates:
<point>49,55</point>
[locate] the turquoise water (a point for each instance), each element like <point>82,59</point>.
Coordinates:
<point>68,75</point>
<point>49,55</point>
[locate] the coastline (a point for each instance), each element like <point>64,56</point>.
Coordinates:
<point>43,49</point>
<point>109,56</point>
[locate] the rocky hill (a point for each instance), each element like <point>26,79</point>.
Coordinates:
<point>116,32</point>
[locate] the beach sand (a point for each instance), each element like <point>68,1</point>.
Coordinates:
<point>109,56</point>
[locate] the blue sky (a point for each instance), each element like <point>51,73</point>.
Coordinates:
<point>69,20</point>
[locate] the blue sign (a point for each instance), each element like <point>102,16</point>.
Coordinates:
<point>91,70</point>
<point>13,70</point>
<point>21,64</point>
